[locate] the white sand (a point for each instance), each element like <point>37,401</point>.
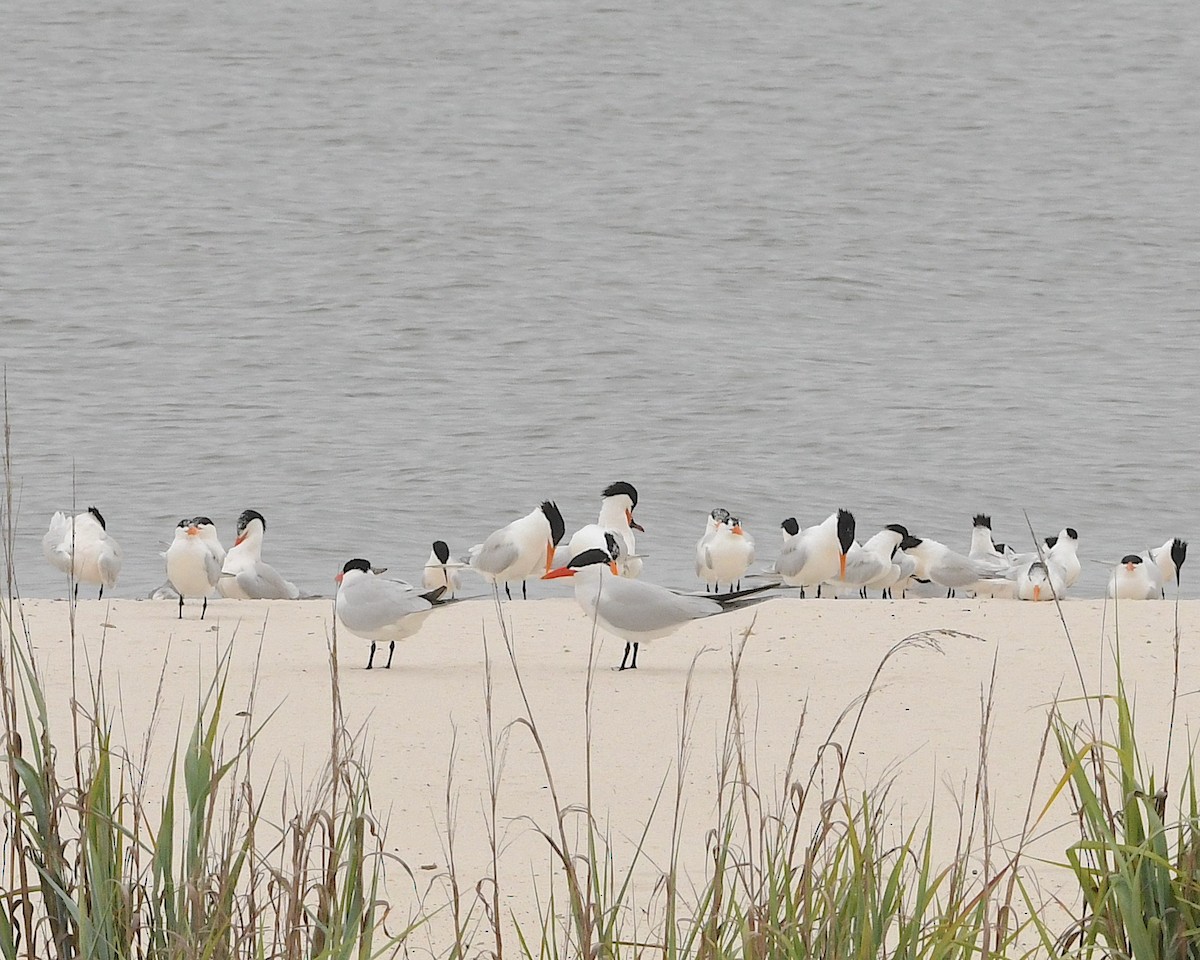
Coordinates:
<point>922,727</point>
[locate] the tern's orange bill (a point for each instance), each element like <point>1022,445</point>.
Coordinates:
<point>738,530</point>
<point>192,531</point>
<point>633,524</point>
<point>239,540</point>
<point>560,572</point>
<point>612,565</point>
<point>1037,592</point>
<point>549,555</point>
<point>842,566</point>
<point>338,578</point>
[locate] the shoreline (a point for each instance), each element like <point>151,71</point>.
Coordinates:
<point>920,733</point>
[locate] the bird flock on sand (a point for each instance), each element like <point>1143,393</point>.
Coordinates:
<point>825,560</point>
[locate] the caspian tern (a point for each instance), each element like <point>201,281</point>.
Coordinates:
<point>1143,576</point>
<point>617,503</point>
<point>938,563</point>
<point>724,554</point>
<point>812,556</point>
<point>1135,578</point>
<point>523,548</point>
<point>81,548</point>
<point>440,571</point>
<point>878,564</point>
<point>377,609</point>
<point>1041,581</point>
<point>194,560</point>
<point>244,575</point>
<point>634,610</point>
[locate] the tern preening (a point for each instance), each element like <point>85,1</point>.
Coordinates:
<point>522,549</point>
<point>245,575</point>
<point>377,609</point>
<point>194,561</point>
<point>634,610</point>
<point>81,548</point>
<point>617,504</point>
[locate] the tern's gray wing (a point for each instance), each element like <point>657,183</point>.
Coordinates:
<point>263,582</point>
<point>496,554</point>
<point>56,544</point>
<point>109,562</point>
<point>375,604</point>
<point>863,567</point>
<point>792,557</point>
<point>955,570</point>
<point>638,606</point>
<point>212,567</point>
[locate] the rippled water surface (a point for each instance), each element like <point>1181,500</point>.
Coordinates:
<point>396,272</point>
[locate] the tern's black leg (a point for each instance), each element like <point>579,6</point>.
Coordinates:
<point>801,593</point>
<point>391,650</point>
<point>950,594</point>
<point>633,666</point>
<point>181,606</point>
<point>371,658</point>
<point>819,586</point>
<point>77,591</point>
<point>524,595</point>
<point>507,592</point>
<point>628,646</point>
<point>204,609</point>
<point>100,595</point>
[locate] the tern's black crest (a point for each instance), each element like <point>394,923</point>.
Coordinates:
<point>1178,554</point>
<point>845,527</point>
<point>589,558</point>
<point>246,517</point>
<point>185,522</point>
<point>1040,568</point>
<point>909,542</point>
<point>199,520</point>
<point>982,520</point>
<point>1072,534</point>
<point>898,528</point>
<point>1051,541</point>
<point>557,527</point>
<point>790,526</point>
<point>610,540</point>
<point>1131,558</point>
<point>363,565</point>
<point>99,518</point>
<point>441,551</point>
<point>616,489</point>
<point>720,514</point>
<point>1000,547</point>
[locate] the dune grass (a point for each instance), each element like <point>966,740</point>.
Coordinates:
<point>96,864</point>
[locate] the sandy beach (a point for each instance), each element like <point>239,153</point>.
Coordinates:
<point>920,731</point>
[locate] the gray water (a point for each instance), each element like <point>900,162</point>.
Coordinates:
<point>396,272</point>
